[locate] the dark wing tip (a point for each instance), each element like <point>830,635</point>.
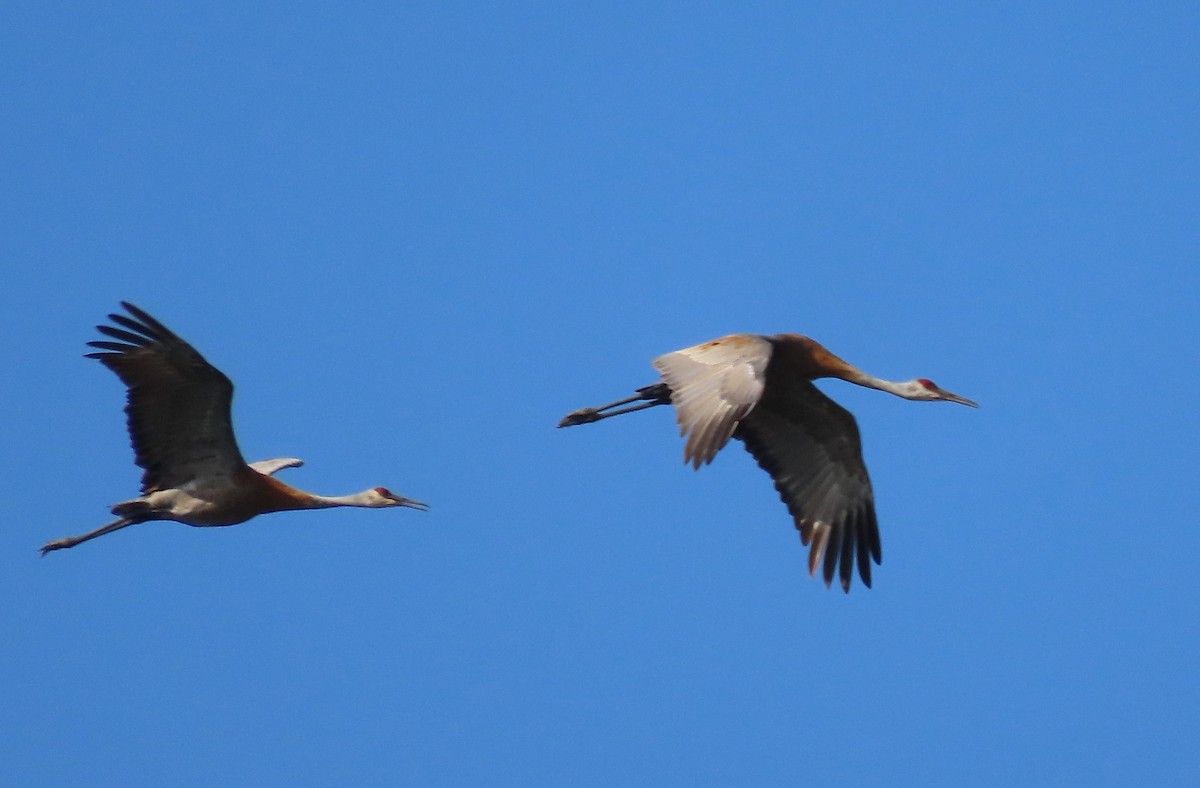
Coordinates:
<point>864,557</point>
<point>832,552</point>
<point>144,330</point>
<point>850,539</point>
<point>126,336</point>
<point>142,322</point>
<point>103,345</point>
<point>838,548</point>
<point>141,315</point>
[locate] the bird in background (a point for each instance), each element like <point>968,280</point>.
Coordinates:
<point>758,389</point>
<point>178,414</point>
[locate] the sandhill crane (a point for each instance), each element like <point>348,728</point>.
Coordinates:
<point>182,435</point>
<point>758,389</point>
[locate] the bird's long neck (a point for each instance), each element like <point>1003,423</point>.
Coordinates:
<point>363,498</point>
<point>816,361</point>
<point>857,376</point>
<point>276,496</point>
<point>905,389</point>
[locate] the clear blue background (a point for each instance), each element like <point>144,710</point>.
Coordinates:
<point>416,238</point>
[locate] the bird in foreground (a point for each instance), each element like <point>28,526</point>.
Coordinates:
<point>182,434</point>
<point>758,389</point>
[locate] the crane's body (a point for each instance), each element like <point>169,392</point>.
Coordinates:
<point>180,425</point>
<point>758,389</point>
<point>231,500</point>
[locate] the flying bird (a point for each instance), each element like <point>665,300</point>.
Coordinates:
<point>179,423</point>
<point>758,389</point>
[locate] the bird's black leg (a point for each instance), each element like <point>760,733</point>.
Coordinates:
<point>71,541</point>
<point>648,396</point>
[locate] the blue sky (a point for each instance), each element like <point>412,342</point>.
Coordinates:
<point>416,237</point>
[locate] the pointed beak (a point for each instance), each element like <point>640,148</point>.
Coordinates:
<point>411,504</point>
<point>949,396</point>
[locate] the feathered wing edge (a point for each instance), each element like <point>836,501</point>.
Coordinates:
<point>824,485</point>
<point>177,404</point>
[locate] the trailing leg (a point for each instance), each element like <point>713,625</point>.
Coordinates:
<point>71,541</point>
<point>647,396</point>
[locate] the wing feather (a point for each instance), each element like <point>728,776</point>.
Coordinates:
<point>836,537</point>
<point>713,386</point>
<point>811,448</point>
<point>271,467</point>
<point>819,533</point>
<point>864,546</point>
<point>178,405</point>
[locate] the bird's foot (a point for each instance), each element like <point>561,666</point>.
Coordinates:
<point>581,416</point>
<point>57,544</point>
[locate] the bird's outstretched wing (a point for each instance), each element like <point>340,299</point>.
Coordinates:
<point>271,467</point>
<point>811,447</point>
<point>178,403</point>
<point>714,386</point>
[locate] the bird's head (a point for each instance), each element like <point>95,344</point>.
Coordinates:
<point>382,497</point>
<point>926,389</point>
